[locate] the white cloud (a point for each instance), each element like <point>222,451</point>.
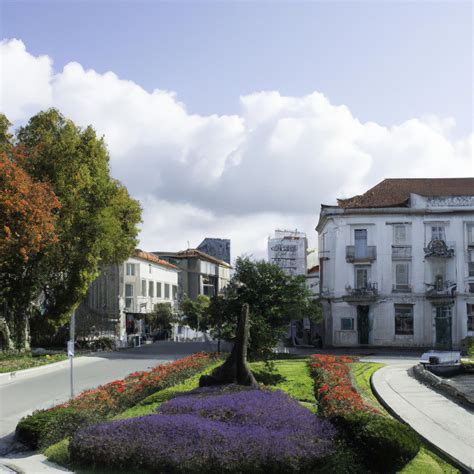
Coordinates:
<point>25,80</point>
<point>237,176</point>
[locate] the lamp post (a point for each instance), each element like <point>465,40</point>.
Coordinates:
<point>70,349</point>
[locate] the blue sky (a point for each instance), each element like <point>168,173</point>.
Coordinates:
<point>262,111</point>
<point>387,61</point>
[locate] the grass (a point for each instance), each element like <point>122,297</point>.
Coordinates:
<point>425,462</point>
<point>15,362</point>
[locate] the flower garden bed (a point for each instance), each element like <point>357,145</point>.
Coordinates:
<point>382,443</point>
<point>46,427</point>
<point>209,431</point>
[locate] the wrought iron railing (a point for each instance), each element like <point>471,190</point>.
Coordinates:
<point>370,290</point>
<point>439,248</point>
<point>364,254</point>
<point>441,290</point>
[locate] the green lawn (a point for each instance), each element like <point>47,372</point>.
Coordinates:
<point>14,362</point>
<point>425,462</point>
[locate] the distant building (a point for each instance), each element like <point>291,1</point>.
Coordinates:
<point>218,248</point>
<point>200,273</point>
<point>312,280</point>
<point>288,250</point>
<point>397,265</point>
<point>118,300</point>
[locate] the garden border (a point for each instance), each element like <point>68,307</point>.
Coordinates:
<point>438,451</point>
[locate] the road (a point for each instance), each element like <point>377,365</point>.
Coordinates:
<point>21,397</point>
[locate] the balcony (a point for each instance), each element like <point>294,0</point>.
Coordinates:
<point>440,290</point>
<point>401,252</point>
<point>357,255</point>
<point>367,293</point>
<point>439,248</point>
<point>401,288</point>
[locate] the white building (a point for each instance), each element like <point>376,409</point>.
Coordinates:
<point>288,250</point>
<point>397,265</point>
<point>124,293</point>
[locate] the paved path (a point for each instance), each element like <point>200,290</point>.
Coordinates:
<point>442,422</point>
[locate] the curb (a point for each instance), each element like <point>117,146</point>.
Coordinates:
<point>10,377</point>
<point>441,386</point>
<point>436,449</point>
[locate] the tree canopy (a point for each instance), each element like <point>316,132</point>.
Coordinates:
<point>95,219</point>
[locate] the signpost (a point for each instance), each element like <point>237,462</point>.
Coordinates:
<point>70,349</point>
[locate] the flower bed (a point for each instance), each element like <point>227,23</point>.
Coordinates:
<point>333,387</point>
<point>246,431</point>
<point>45,427</point>
<point>383,444</point>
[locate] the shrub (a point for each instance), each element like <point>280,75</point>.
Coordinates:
<point>59,452</point>
<point>31,428</point>
<point>385,444</point>
<point>106,400</point>
<point>247,431</point>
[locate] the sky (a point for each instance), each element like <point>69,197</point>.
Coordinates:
<point>232,119</point>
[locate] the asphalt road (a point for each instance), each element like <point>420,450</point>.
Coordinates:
<point>21,397</point>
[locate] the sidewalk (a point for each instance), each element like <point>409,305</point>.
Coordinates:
<point>440,421</point>
<point>29,465</point>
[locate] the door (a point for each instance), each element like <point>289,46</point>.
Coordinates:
<point>360,240</point>
<point>443,321</point>
<point>363,324</point>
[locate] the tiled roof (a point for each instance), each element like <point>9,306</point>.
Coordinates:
<point>204,256</point>
<point>396,192</point>
<point>153,258</point>
<point>314,269</point>
<point>194,253</point>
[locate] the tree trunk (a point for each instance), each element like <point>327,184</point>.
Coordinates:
<point>235,369</point>
<point>6,343</point>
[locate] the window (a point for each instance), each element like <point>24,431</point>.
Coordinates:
<point>403,320</point>
<point>470,234</point>
<point>167,291</point>
<point>158,289</point>
<point>130,269</point>
<point>360,240</point>
<point>361,276</point>
<point>151,287</point>
<point>471,263</point>
<point>437,232</point>
<point>470,317</point>
<point>128,296</point>
<point>175,292</point>
<point>347,324</point>
<point>443,312</point>
<point>400,234</point>
<point>402,276</point>
<point>143,287</point>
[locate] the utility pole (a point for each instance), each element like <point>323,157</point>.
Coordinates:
<point>70,349</point>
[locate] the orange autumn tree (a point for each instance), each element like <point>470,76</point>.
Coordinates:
<point>28,214</point>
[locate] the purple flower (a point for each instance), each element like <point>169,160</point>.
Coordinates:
<point>247,431</point>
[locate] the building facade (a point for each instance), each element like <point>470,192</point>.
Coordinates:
<point>200,273</point>
<point>218,248</point>
<point>289,249</point>
<point>397,265</point>
<point>123,294</point>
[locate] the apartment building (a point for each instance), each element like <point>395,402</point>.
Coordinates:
<point>397,265</point>
<point>122,294</point>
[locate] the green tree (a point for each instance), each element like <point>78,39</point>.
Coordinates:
<point>162,317</point>
<point>274,299</point>
<point>196,312</point>
<point>97,222</point>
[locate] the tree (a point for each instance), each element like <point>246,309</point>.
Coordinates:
<point>196,312</point>
<point>97,221</point>
<point>274,299</point>
<point>162,317</point>
<point>28,216</point>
